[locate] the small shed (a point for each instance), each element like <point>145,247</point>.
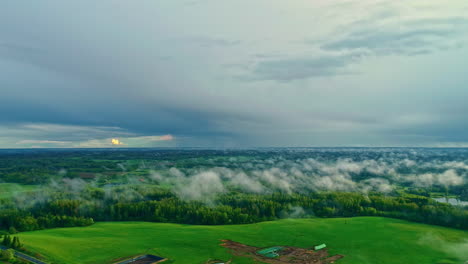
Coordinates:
<point>271,252</point>
<point>321,246</point>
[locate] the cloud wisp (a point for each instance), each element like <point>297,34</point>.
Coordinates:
<point>375,34</point>
<point>73,136</point>
<point>302,175</point>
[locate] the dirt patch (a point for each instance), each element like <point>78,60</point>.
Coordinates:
<point>286,255</point>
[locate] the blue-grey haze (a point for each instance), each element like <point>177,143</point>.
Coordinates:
<point>240,73</point>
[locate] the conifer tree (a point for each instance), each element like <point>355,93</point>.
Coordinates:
<point>15,243</point>
<point>7,240</point>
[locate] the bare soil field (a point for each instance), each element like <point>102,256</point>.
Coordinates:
<point>287,255</point>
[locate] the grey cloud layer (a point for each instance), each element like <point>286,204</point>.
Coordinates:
<point>420,36</point>
<point>193,71</point>
<point>389,33</point>
<point>301,68</point>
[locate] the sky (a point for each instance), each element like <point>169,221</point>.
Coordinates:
<point>240,73</point>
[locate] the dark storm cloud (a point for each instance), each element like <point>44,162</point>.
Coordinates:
<point>86,99</point>
<point>62,79</point>
<point>139,119</point>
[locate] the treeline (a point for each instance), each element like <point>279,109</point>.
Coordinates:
<point>233,208</point>
<point>19,220</point>
<point>8,253</point>
<point>11,242</point>
<point>41,168</point>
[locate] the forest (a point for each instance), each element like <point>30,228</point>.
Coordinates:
<point>232,208</point>
<point>209,187</point>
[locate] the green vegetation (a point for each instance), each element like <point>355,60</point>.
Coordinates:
<point>44,189</point>
<point>159,205</point>
<point>362,240</point>
<point>7,254</point>
<point>8,241</point>
<point>7,190</point>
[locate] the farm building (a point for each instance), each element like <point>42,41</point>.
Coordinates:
<point>321,246</point>
<point>271,252</point>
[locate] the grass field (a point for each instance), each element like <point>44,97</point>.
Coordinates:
<point>362,240</point>
<point>9,189</point>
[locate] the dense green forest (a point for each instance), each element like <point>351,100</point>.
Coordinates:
<point>214,187</point>
<point>234,208</point>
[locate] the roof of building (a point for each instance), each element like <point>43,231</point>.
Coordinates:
<point>320,246</point>
<point>270,252</point>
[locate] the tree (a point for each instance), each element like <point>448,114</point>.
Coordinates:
<point>16,243</point>
<point>7,254</point>
<point>12,230</point>
<point>7,240</point>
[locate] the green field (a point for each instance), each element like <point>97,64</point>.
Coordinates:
<point>7,190</point>
<point>362,240</point>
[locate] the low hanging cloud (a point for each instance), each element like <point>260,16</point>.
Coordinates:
<point>204,186</point>
<point>447,178</point>
<point>282,173</point>
<point>458,249</point>
<point>287,171</point>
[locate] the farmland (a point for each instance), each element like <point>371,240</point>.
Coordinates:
<point>11,189</point>
<point>360,240</point>
<point>179,204</point>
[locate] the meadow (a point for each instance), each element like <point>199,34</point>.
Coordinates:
<point>8,190</point>
<point>361,239</point>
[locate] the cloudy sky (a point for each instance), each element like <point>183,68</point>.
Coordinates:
<point>240,73</point>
